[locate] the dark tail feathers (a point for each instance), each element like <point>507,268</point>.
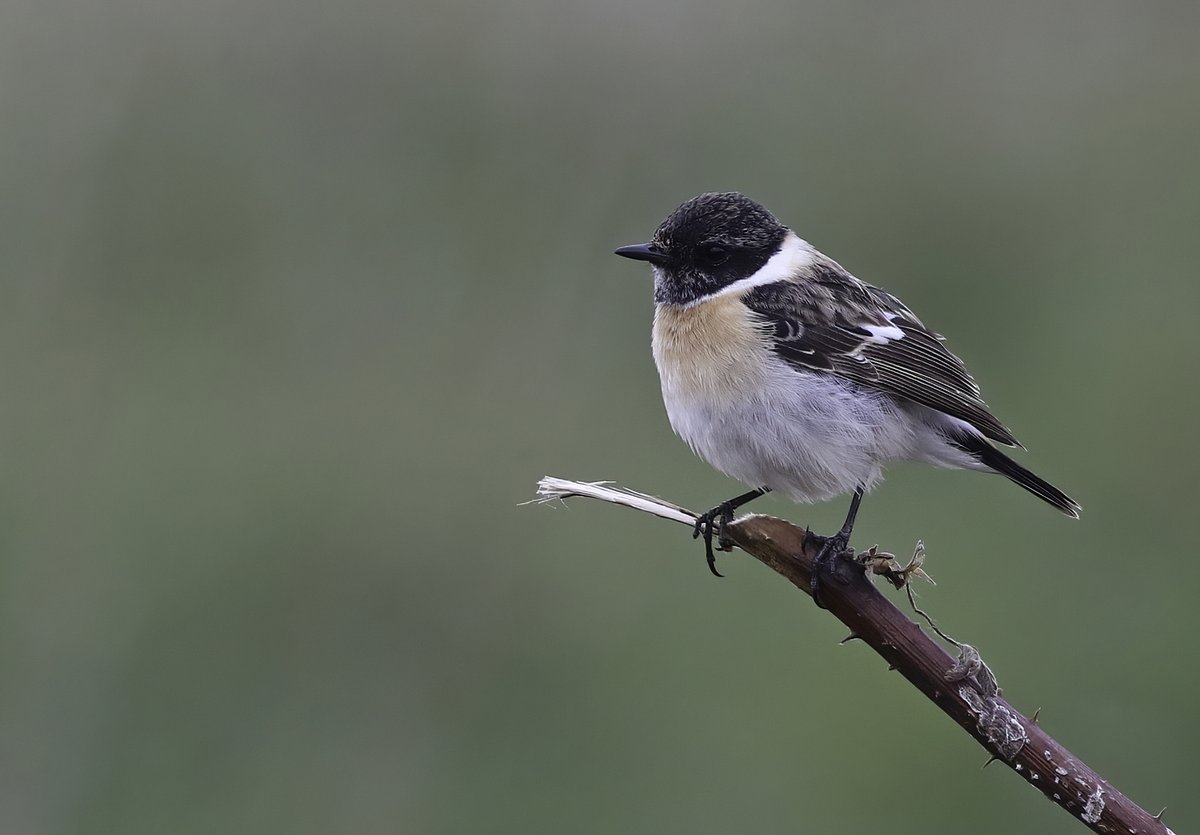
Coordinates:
<point>1001,463</point>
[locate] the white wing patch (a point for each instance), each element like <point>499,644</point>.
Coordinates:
<point>883,334</point>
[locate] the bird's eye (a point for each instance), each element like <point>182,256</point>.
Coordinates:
<point>714,254</point>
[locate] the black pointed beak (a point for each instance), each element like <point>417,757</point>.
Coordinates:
<point>644,252</point>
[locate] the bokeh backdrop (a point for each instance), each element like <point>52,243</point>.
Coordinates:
<point>298,300</point>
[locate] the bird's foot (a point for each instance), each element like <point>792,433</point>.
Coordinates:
<point>714,521</point>
<point>831,548</point>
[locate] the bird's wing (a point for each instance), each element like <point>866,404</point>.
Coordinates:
<point>833,323</point>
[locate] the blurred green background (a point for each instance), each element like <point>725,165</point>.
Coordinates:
<point>298,301</point>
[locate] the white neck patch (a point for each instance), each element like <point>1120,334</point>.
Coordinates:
<point>794,255</point>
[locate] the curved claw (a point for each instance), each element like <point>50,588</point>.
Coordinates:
<point>712,564</point>
<point>704,527</point>
<point>717,519</point>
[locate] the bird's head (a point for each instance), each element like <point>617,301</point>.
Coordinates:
<point>707,244</point>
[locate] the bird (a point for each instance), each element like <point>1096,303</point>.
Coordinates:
<point>783,371</point>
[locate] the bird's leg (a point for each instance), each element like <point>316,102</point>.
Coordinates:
<point>717,519</point>
<point>831,547</point>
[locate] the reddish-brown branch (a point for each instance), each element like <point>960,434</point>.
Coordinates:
<point>1038,758</point>
<point>963,689</point>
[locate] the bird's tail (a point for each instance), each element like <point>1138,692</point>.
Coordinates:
<point>993,458</point>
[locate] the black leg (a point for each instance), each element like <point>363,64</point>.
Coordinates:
<point>833,546</point>
<point>718,518</point>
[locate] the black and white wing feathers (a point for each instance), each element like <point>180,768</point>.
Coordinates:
<point>828,321</point>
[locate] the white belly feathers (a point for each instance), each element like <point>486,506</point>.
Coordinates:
<point>752,416</point>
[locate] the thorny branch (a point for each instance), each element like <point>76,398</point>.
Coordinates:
<point>964,688</point>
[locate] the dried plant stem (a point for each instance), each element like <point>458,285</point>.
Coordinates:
<point>964,688</point>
